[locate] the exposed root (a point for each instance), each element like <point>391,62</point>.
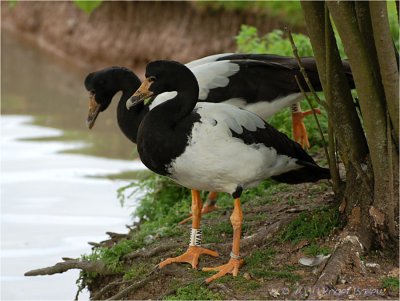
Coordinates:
<point>117,235</point>
<point>153,275</point>
<point>110,287</point>
<point>346,254</point>
<point>134,286</point>
<point>61,267</point>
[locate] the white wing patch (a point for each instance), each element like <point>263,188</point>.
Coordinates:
<point>213,75</point>
<point>207,59</point>
<point>231,117</point>
<point>266,109</point>
<point>161,98</point>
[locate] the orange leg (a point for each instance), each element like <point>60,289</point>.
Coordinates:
<point>299,129</point>
<point>233,265</point>
<point>209,206</point>
<point>195,250</point>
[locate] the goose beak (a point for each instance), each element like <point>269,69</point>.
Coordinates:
<point>94,110</point>
<point>140,95</point>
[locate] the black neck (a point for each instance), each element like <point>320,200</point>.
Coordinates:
<point>177,108</point>
<point>129,120</point>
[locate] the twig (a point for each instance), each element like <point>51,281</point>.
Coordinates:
<point>116,235</point>
<point>330,154</point>
<point>315,116</point>
<point>61,267</point>
<point>303,71</point>
<point>108,287</point>
<point>173,291</point>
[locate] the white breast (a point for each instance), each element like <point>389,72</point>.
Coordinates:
<point>214,160</point>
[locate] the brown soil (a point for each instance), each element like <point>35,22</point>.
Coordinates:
<point>130,33</point>
<point>355,282</point>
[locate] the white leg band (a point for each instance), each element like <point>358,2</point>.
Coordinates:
<point>195,237</point>
<point>295,108</point>
<point>235,256</point>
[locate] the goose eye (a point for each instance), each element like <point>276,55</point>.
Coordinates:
<point>151,78</point>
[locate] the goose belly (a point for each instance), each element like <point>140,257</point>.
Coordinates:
<point>215,161</point>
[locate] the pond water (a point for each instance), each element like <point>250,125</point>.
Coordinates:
<point>53,196</point>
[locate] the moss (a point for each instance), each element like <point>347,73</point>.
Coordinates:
<point>194,292</point>
<point>137,271</point>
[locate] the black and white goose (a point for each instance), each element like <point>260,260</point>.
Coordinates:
<point>260,83</point>
<point>214,147</point>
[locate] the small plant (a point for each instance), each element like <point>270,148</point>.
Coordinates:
<point>391,283</point>
<point>88,6</point>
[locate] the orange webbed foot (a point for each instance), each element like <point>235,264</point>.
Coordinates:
<point>299,129</point>
<point>232,267</point>
<point>190,256</point>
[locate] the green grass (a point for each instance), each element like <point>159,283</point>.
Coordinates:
<point>215,233</point>
<point>194,292</point>
<point>239,283</point>
<point>137,271</point>
<point>314,250</point>
<point>391,283</point>
<point>260,264</point>
<point>259,257</point>
<point>312,225</point>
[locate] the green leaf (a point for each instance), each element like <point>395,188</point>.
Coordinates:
<point>88,6</point>
<point>12,3</point>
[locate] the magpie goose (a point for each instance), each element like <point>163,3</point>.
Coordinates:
<point>260,83</point>
<point>212,146</point>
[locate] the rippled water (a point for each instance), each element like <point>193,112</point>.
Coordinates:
<point>52,202</point>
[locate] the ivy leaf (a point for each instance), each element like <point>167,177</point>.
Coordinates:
<point>88,6</point>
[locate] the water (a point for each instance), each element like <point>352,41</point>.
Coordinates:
<point>51,203</point>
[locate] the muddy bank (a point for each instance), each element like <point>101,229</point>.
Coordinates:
<point>130,33</point>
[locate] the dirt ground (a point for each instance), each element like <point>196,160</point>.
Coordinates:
<point>271,270</point>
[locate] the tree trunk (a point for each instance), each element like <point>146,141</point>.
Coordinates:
<point>373,107</point>
<point>370,159</point>
<point>387,61</point>
<point>347,126</point>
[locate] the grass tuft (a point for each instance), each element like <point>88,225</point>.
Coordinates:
<point>391,283</point>
<point>312,225</point>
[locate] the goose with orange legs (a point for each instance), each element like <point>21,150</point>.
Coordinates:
<point>174,140</point>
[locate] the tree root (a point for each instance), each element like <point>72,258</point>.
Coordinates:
<point>134,286</point>
<point>346,254</point>
<point>153,275</point>
<point>61,267</point>
<point>109,287</point>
